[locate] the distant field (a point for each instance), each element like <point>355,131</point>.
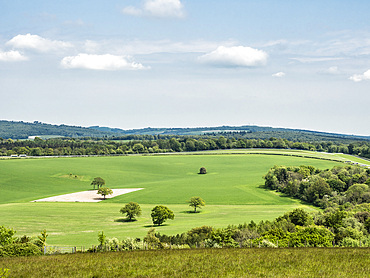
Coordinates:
<point>232,190</point>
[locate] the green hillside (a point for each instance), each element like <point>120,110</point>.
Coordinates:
<point>232,189</point>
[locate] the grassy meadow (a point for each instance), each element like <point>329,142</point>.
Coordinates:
<point>249,262</point>
<point>232,189</point>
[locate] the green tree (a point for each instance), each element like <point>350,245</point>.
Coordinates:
<point>104,191</point>
<point>196,202</point>
<point>138,148</point>
<point>131,210</point>
<point>101,238</point>
<point>151,239</point>
<point>299,217</point>
<point>355,192</point>
<point>6,236</point>
<point>202,170</point>
<point>41,239</point>
<point>98,181</point>
<point>160,214</point>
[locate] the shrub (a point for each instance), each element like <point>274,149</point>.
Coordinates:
<point>19,249</point>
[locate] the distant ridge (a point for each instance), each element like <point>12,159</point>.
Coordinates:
<point>24,130</point>
<point>251,129</point>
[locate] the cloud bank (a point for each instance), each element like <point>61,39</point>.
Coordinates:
<point>12,56</point>
<point>235,56</point>
<point>100,62</point>
<point>158,8</point>
<point>38,43</point>
<point>361,77</point>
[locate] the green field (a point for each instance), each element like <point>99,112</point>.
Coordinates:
<point>232,189</point>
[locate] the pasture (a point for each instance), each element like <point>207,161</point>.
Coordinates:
<point>232,189</point>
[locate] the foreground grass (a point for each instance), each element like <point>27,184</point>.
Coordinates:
<point>304,262</point>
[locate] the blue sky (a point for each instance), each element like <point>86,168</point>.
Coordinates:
<point>177,63</point>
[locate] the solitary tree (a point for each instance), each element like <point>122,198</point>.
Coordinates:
<point>104,191</point>
<point>160,214</point>
<point>202,170</point>
<point>196,202</point>
<point>131,210</point>
<point>98,181</point>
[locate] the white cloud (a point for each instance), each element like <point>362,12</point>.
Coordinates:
<point>331,70</point>
<point>100,62</point>
<point>130,10</point>
<point>316,59</point>
<point>38,43</point>
<point>361,77</point>
<point>164,8</point>
<point>158,8</point>
<point>279,74</point>
<point>12,56</point>
<point>235,56</point>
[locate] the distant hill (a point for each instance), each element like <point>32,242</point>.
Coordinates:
<point>23,130</point>
<point>248,131</point>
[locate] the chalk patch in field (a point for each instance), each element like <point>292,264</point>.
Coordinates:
<point>86,196</point>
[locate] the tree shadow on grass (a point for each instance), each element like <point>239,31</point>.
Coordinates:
<point>125,220</point>
<point>155,226</point>
<point>190,211</point>
<point>283,195</point>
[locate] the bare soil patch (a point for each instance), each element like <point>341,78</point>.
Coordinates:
<point>86,196</point>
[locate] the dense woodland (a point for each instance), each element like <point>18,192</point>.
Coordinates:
<point>341,186</point>
<point>132,144</point>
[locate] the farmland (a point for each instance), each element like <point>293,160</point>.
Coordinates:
<point>232,189</point>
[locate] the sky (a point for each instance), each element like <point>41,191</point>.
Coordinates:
<point>187,63</point>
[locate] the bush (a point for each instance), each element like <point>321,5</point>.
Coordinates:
<point>20,249</point>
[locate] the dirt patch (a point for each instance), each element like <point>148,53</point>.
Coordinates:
<point>86,196</point>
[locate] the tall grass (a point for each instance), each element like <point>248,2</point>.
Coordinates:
<point>288,262</point>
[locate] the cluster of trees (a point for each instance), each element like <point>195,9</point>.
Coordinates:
<point>342,185</point>
<point>159,213</point>
<point>298,228</point>
<point>12,246</point>
<point>70,146</point>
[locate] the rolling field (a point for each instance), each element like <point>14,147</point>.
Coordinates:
<point>232,190</point>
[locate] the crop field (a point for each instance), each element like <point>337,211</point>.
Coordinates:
<point>232,189</point>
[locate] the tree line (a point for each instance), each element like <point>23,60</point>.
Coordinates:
<point>159,144</point>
